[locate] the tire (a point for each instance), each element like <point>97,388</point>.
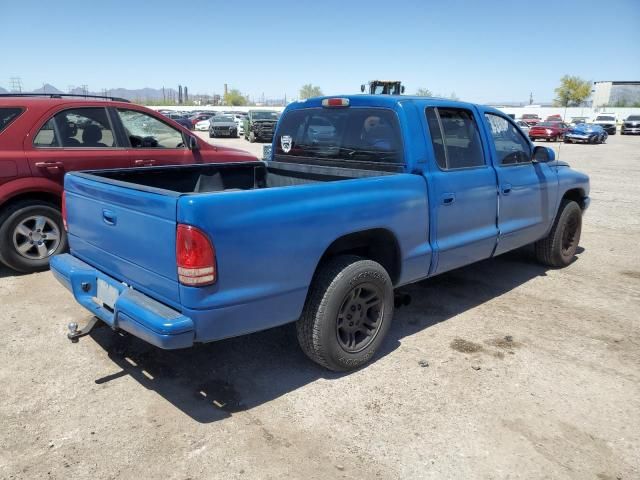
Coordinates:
<point>559,247</point>
<point>211,135</point>
<point>25,216</point>
<point>339,290</point>
<point>565,140</point>
<point>252,137</point>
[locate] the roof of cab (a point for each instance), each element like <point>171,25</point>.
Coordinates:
<point>389,101</point>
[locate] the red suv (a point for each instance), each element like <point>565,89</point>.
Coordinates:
<point>42,137</point>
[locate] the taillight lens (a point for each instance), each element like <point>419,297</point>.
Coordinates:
<point>195,257</point>
<point>335,102</point>
<point>64,211</point>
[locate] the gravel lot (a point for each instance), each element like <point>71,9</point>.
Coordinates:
<point>503,369</point>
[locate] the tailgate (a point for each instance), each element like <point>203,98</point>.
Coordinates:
<point>127,233</point>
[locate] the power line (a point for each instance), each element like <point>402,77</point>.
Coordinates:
<point>16,84</point>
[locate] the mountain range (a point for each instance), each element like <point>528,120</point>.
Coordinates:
<point>129,94</point>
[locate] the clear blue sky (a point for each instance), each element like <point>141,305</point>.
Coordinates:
<point>484,50</point>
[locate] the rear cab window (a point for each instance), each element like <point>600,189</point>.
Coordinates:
<point>355,137</point>
<point>8,115</point>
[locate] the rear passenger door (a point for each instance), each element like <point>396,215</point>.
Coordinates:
<point>462,189</point>
<point>526,190</point>
<point>151,141</point>
<point>74,139</point>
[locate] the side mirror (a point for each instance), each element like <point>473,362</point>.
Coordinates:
<point>543,155</point>
<point>402,89</point>
<point>193,143</point>
<point>362,88</point>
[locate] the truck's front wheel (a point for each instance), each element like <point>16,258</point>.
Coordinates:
<point>559,247</point>
<point>30,233</point>
<point>347,314</point>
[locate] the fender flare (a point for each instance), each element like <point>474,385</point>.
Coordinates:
<point>22,186</point>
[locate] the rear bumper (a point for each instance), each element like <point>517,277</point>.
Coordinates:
<point>132,312</point>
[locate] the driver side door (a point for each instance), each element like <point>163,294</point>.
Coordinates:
<point>151,141</point>
<point>526,190</point>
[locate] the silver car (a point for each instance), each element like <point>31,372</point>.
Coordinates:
<point>524,126</point>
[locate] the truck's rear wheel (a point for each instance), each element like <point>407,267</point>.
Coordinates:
<point>559,247</point>
<point>347,314</point>
<point>30,233</point>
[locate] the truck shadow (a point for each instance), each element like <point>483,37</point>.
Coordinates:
<point>210,382</point>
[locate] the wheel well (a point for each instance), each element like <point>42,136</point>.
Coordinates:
<point>577,195</point>
<point>42,196</point>
<point>378,244</point>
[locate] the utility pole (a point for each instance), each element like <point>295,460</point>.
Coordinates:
<point>180,94</point>
<point>85,90</point>
<point>16,84</point>
<point>531,98</point>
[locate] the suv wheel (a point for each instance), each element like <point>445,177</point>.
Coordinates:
<point>30,233</point>
<point>347,313</point>
<point>252,137</point>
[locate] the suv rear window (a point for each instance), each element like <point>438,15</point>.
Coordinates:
<point>367,138</point>
<point>8,115</point>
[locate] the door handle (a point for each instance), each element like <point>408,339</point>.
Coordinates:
<point>448,198</point>
<point>143,163</point>
<point>51,167</point>
<point>506,189</point>
<point>109,217</point>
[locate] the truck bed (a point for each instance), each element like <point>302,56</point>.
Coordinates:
<point>208,178</point>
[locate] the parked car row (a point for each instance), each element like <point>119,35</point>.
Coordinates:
<point>608,121</point>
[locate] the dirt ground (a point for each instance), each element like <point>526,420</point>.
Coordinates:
<point>503,369</point>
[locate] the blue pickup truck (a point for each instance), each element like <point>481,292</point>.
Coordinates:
<point>361,194</point>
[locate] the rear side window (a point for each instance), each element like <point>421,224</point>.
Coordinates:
<point>455,138</point>
<point>77,128</point>
<point>8,115</point>
<point>366,137</point>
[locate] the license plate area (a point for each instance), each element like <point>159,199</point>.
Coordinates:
<point>106,295</point>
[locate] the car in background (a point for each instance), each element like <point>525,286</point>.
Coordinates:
<point>531,118</point>
<point>199,117</point>
<point>203,125</point>
<point>586,133</point>
<point>578,120</point>
<point>239,119</point>
<point>223,126</point>
<point>179,118</point>
<point>524,126</point>
<point>549,131</point>
<point>554,118</point>
<point>260,125</point>
<point>631,125</point>
<point>606,121</point>
<point>43,137</point>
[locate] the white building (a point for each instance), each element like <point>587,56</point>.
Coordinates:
<point>615,94</point>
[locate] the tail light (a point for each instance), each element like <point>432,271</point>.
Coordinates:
<point>195,257</point>
<point>64,211</point>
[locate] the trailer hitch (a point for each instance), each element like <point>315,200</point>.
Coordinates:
<point>74,334</point>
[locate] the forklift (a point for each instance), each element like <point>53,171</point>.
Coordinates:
<point>383,87</point>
